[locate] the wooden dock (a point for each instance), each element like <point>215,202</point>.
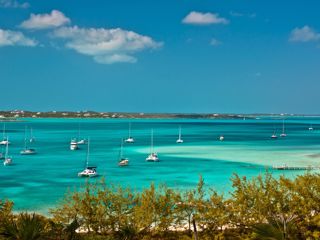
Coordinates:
<point>285,167</point>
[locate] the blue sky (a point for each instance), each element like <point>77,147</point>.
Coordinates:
<point>160,56</point>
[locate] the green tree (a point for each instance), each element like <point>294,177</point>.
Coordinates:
<point>25,227</point>
<point>145,210</point>
<point>281,229</point>
<point>116,207</point>
<point>165,208</point>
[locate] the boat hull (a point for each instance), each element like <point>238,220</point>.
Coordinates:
<point>123,163</point>
<point>87,175</point>
<point>28,152</point>
<point>152,158</point>
<point>7,161</point>
<point>129,140</point>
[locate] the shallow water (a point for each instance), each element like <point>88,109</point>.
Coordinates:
<point>38,182</point>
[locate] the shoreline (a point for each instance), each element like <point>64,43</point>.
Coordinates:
<point>18,114</point>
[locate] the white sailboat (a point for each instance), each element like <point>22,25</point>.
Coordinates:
<point>26,150</point>
<point>153,156</point>
<point>122,160</point>
<point>221,138</point>
<point>88,171</point>
<point>274,135</point>
<point>7,159</point>
<point>179,140</point>
<point>5,140</point>
<point>130,139</point>
<point>283,134</point>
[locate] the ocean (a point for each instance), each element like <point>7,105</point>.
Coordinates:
<point>38,182</point>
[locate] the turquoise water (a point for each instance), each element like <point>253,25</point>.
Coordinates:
<point>38,182</point>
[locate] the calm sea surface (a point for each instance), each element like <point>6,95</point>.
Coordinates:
<point>38,182</point>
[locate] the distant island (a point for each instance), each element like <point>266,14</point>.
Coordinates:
<point>16,114</point>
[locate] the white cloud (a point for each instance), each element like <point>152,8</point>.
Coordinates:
<point>236,14</point>
<point>105,45</point>
<point>304,34</point>
<point>45,21</point>
<point>198,18</point>
<point>13,4</point>
<point>13,38</point>
<point>258,74</point>
<point>239,14</point>
<point>115,58</point>
<point>215,42</point>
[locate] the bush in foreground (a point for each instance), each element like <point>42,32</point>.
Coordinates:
<point>259,208</point>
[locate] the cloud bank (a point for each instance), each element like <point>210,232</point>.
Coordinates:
<point>13,4</point>
<point>304,34</point>
<point>45,21</point>
<point>14,38</point>
<point>106,46</point>
<point>239,14</point>
<point>198,18</point>
<point>215,42</point>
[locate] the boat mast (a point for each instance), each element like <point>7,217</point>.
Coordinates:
<point>7,150</point>
<point>78,131</point>
<point>283,126</point>
<point>129,129</point>
<point>4,130</point>
<point>151,148</point>
<point>274,129</point>
<point>25,137</point>
<point>88,149</point>
<point>121,149</point>
<point>179,132</point>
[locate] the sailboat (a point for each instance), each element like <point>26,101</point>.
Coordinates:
<point>179,140</point>
<point>130,139</point>
<point>274,135</point>
<point>74,145</point>
<point>221,138</point>
<point>88,171</point>
<point>5,140</point>
<point>283,134</point>
<point>26,150</point>
<point>153,156</point>
<point>7,158</point>
<point>32,139</point>
<point>80,141</point>
<point>311,128</point>
<point>122,160</point>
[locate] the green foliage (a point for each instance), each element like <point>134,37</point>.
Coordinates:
<point>5,210</point>
<point>275,230</point>
<point>263,207</point>
<point>24,227</point>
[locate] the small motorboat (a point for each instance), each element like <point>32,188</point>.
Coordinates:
<point>74,145</point>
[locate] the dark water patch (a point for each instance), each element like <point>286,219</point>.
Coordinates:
<point>314,155</point>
